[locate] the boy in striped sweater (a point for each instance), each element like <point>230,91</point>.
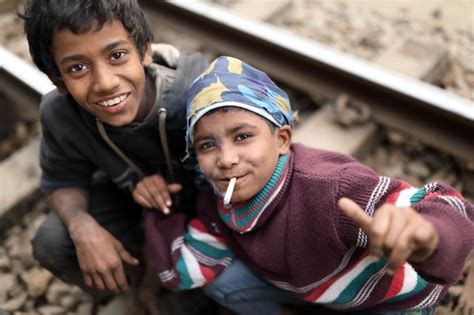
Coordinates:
<point>302,225</point>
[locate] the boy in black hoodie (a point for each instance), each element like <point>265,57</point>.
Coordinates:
<point>113,135</point>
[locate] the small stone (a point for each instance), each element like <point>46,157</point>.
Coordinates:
<point>57,290</point>
<point>396,137</point>
<point>434,160</point>
<point>29,307</point>
<point>85,308</point>
<point>381,155</point>
<point>51,310</point>
<point>37,281</point>
<point>16,266</point>
<point>12,235</point>
<point>397,156</point>
<point>17,289</point>
<point>21,131</point>
<point>70,301</point>
<point>8,281</point>
<point>4,259</point>
<point>14,303</point>
<point>418,169</point>
<point>395,171</point>
<point>20,248</point>
<point>30,217</point>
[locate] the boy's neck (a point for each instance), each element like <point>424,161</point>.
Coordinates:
<point>244,216</point>
<point>148,100</point>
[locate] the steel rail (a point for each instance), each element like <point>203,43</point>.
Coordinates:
<point>23,83</point>
<point>436,117</point>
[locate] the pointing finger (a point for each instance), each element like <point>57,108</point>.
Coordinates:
<point>355,213</point>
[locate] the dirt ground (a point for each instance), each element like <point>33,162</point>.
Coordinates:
<point>457,15</point>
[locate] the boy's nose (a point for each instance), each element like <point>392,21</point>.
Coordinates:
<point>105,80</point>
<point>228,157</point>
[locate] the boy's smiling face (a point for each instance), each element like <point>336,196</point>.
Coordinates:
<point>103,71</point>
<point>238,143</point>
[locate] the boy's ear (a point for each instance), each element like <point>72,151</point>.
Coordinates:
<point>59,84</point>
<point>284,138</point>
<point>147,56</point>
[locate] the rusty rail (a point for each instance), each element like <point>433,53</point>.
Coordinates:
<point>436,117</point>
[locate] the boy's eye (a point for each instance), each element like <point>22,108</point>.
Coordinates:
<point>206,145</point>
<point>77,68</point>
<point>242,136</point>
<point>117,55</point>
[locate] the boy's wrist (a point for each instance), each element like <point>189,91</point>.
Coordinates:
<point>78,222</point>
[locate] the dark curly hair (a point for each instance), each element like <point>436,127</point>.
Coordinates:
<point>44,17</point>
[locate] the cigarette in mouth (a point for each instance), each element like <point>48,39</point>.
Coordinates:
<point>229,191</point>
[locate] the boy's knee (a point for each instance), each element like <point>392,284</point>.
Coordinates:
<point>216,292</point>
<point>51,246</point>
<point>231,286</point>
<point>224,289</point>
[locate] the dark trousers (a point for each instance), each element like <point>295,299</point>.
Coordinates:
<point>114,210</point>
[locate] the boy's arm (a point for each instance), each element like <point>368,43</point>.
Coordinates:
<point>400,233</point>
<point>453,218</point>
<point>186,254</point>
<point>100,255</point>
<point>431,227</point>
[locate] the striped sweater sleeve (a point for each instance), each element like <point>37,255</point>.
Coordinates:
<point>446,209</point>
<point>186,254</point>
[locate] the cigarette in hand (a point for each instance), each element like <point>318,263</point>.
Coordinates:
<point>229,191</point>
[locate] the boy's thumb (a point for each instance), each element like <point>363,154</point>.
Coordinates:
<point>174,188</point>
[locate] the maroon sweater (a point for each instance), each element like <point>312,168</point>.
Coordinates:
<point>303,244</point>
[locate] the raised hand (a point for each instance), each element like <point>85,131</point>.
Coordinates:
<point>400,233</point>
<point>153,192</point>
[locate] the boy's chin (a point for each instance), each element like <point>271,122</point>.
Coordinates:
<point>238,199</point>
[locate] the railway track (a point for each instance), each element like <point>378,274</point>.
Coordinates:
<point>395,101</point>
<point>23,85</point>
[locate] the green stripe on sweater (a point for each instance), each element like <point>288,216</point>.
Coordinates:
<point>352,289</point>
<point>186,282</point>
<point>205,248</point>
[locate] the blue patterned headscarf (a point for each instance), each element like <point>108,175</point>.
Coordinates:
<point>229,81</point>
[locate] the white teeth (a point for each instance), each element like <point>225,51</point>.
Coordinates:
<point>113,101</point>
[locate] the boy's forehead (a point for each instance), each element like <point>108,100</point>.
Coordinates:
<point>228,119</point>
<point>66,42</point>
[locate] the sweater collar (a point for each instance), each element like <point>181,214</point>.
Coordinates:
<point>244,216</point>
